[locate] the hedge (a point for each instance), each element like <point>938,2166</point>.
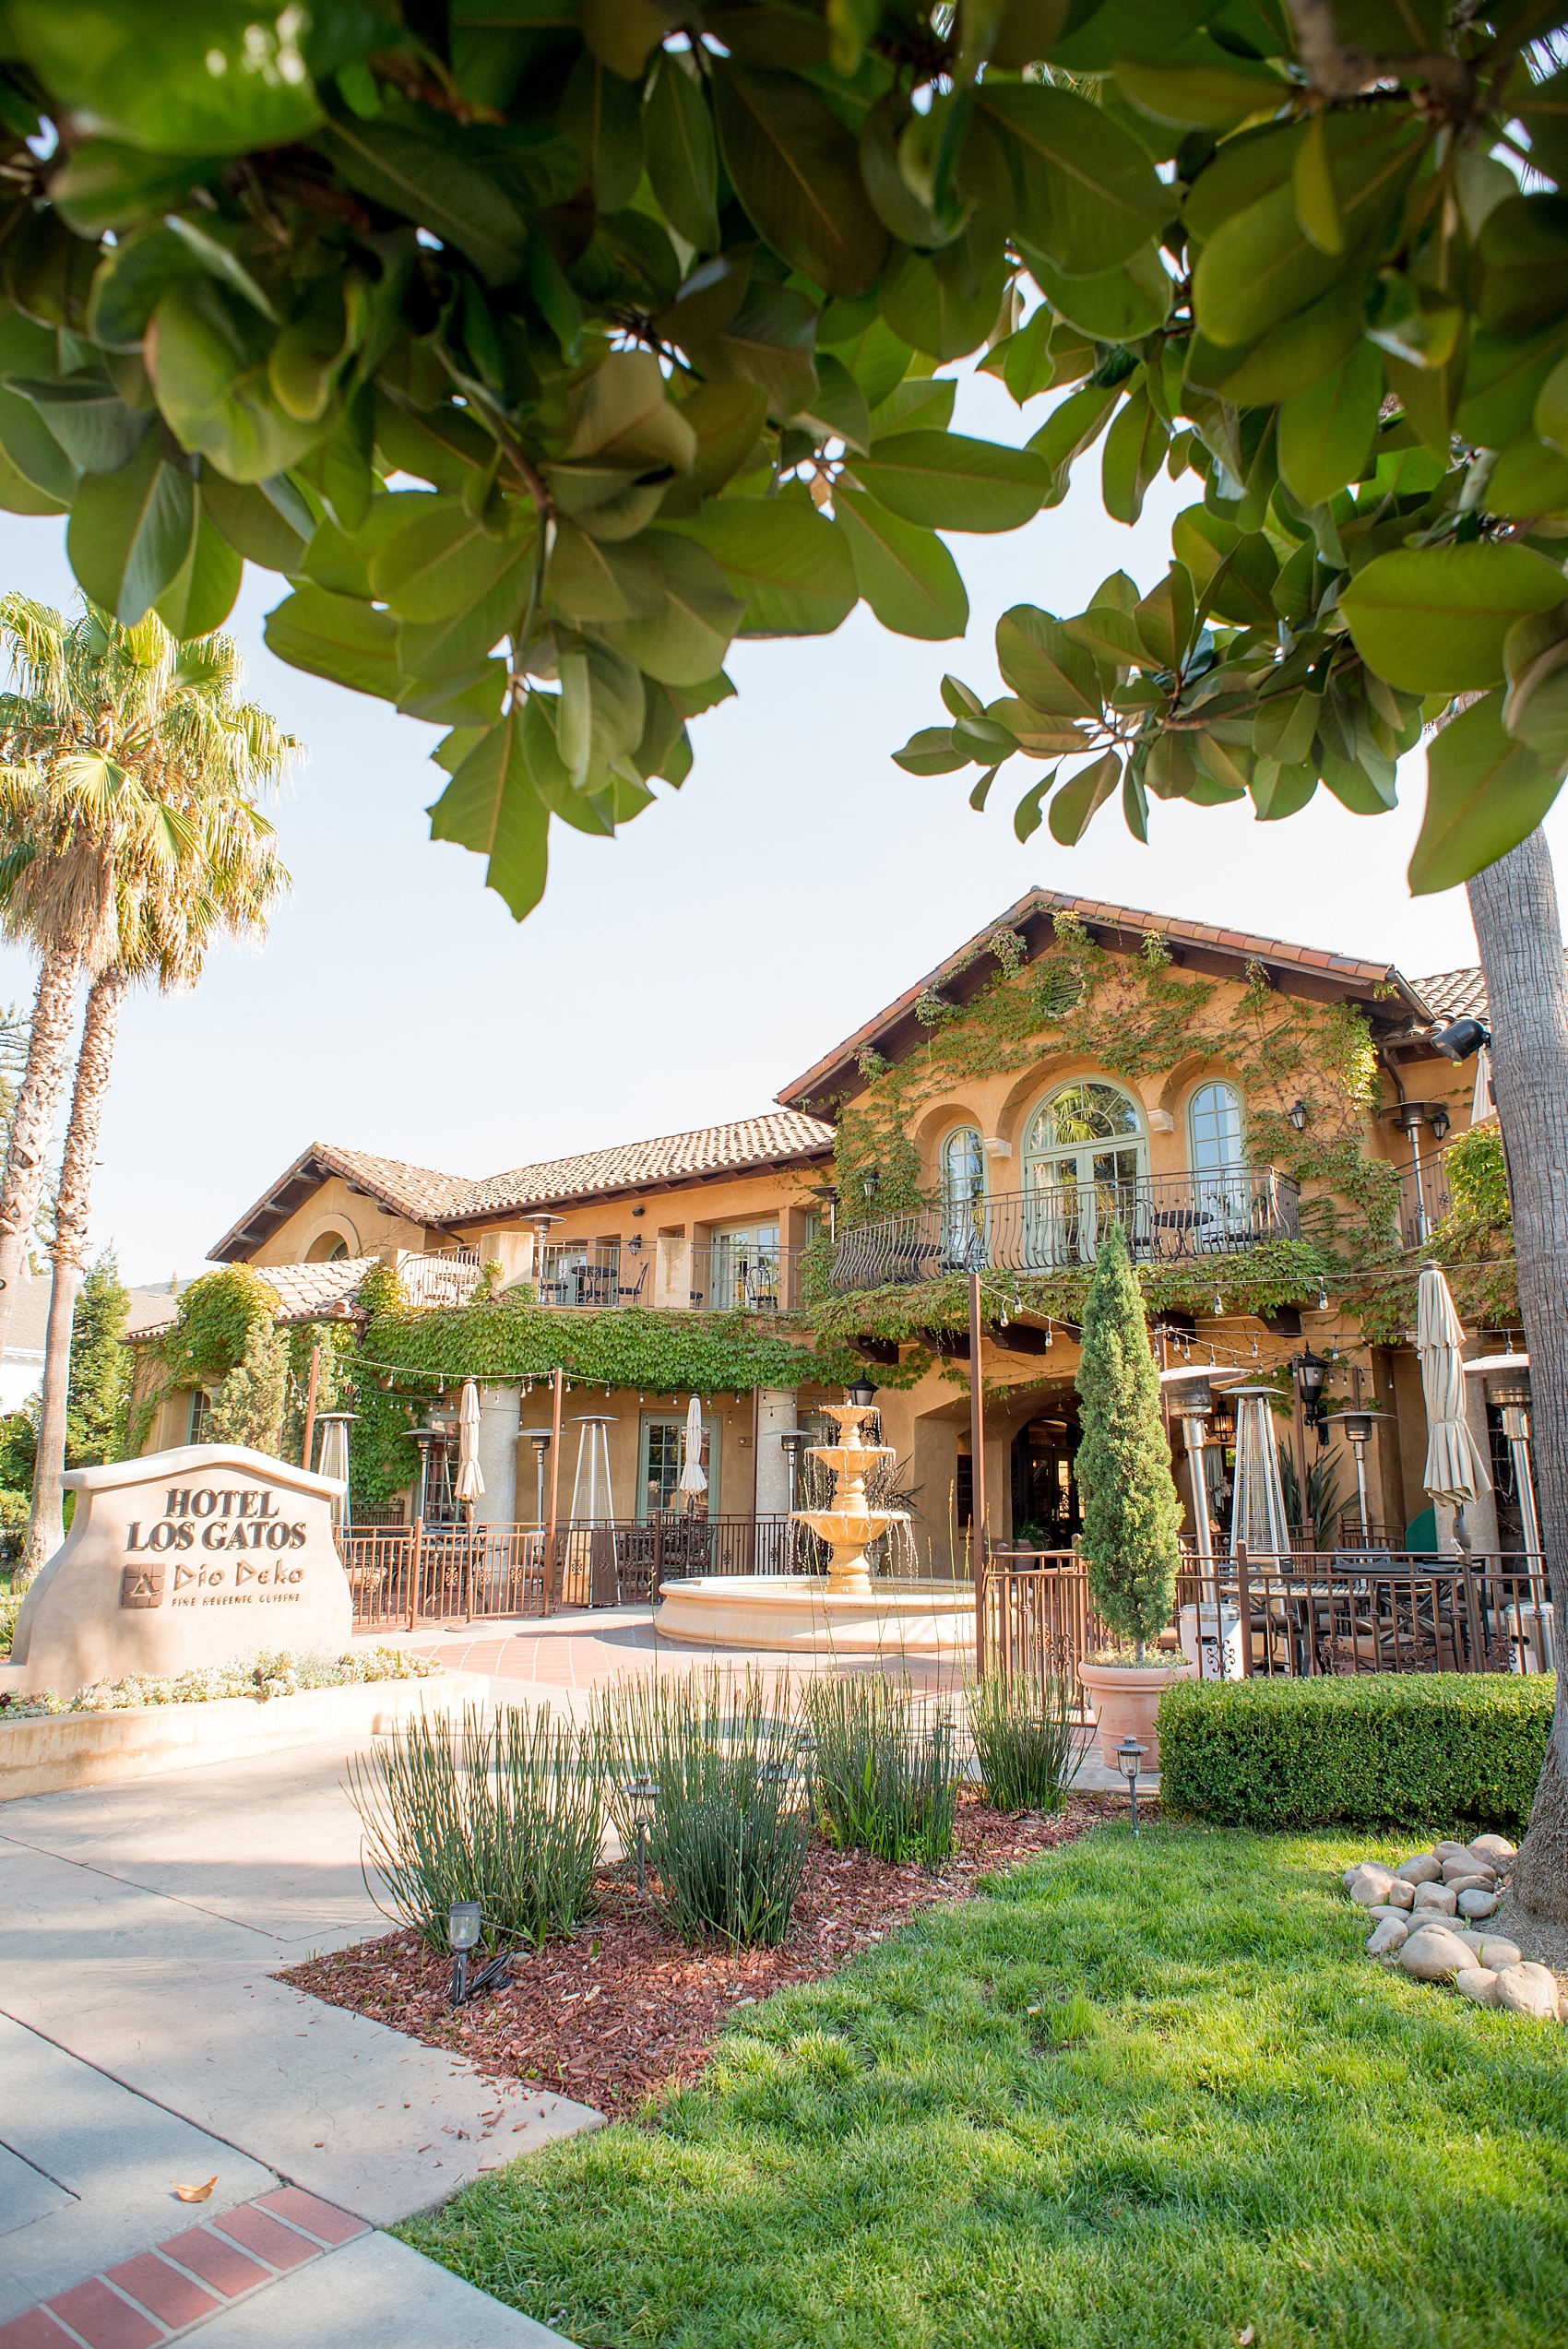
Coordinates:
<point>1408,1750</point>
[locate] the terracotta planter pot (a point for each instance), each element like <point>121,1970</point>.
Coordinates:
<point>1126,1700</point>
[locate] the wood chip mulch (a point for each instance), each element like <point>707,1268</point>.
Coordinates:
<point>624,2011</point>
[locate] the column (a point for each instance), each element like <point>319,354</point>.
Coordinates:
<point>776,1411</point>
<point>500,1413</point>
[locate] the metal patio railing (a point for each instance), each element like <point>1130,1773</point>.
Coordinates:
<point>1168,1218</point>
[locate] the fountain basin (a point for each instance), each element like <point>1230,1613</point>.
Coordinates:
<point>802,1615</point>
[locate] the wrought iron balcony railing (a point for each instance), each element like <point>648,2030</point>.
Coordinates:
<point>1188,1218</point>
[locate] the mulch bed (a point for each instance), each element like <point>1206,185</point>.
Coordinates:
<point>625,2011</point>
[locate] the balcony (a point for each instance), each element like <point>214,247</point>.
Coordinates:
<point>1170,1219</point>
<point>590,1272</point>
<point>433,1284</point>
<point>745,1276</point>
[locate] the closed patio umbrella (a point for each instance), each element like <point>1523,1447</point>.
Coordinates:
<point>693,1478</point>
<point>1455,1471</point>
<point>470,1477</point>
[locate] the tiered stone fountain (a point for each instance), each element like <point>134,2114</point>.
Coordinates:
<point>848,1613</point>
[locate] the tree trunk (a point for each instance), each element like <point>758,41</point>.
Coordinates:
<point>21,1185</point>
<point>46,1529</point>
<point>1513,906</point>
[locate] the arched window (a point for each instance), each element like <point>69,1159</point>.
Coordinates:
<point>1214,1133</point>
<point>1216,1146</point>
<point>1086,1160</point>
<point>963,1194</point>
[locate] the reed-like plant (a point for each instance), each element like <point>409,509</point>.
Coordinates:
<point>885,1780</point>
<point>508,1813</point>
<point>726,1833</point>
<point>1022,1730</point>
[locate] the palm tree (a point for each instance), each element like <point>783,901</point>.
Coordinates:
<point>167,914</point>
<point>128,836</point>
<point>112,739</point>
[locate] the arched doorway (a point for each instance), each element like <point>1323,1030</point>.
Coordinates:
<point>1046,1513</point>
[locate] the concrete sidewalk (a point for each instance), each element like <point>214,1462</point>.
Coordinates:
<point>147,2044</point>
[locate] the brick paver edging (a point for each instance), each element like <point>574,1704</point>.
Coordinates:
<point>162,2292</point>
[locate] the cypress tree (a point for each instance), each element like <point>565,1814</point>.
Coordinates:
<point>1131,1515</point>
<point>248,1407</point>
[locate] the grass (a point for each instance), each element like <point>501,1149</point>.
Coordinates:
<point>1140,2096</point>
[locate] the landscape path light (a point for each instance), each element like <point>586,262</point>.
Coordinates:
<point>464,1921</point>
<point>1129,1758</point>
<point>642,1794</point>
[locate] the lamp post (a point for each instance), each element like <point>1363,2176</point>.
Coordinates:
<point>1309,1370</point>
<point>1358,1428</point>
<point>1129,1760</point>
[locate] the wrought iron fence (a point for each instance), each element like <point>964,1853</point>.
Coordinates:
<point>592,1273</point>
<point>1300,1615</point>
<point>436,1283</point>
<point>734,1276</point>
<point>1168,1218</point>
<point>400,1575</point>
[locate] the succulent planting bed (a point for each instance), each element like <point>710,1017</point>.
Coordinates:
<point>1434,1913</point>
<point>622,2011</point>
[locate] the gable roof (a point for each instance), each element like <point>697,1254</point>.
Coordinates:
<point>423,1196</point>
<point>1311,971</point>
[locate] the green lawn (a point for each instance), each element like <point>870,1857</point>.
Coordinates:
<point>1143,2094</point>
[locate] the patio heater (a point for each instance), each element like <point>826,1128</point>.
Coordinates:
<point>1409,1118</point>
<point>1358,1428</point>
<point>539,1439</point>
<point>1507,1379</point>
<point>1193,1399</point>
<point>334,1462</point>
<point>1258,1512</point>
<point>423,1438</point>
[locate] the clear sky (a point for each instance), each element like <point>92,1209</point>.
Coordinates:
<point>678,975</point>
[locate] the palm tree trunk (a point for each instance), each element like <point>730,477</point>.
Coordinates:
<point>1514,908</point>
<point>46,1530</point>
<point>21,1185</point>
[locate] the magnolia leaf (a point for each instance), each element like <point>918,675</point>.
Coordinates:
<point>682,159</point>
<point>932,751</point>
<point>1040,662</point>
<point>1080,800</point>
<point>131,531</point>
<point>267,522</point>
<point>338,637</point>
<point>86,415</point>
<point>1222,95</point>
<point>945,482</point>
<point>936,306</point>
<point>194,2193</point>
<point>1433,618</point>
<point>447,195</point>
<point>904,573</point>
<point>201,595</point>
<point>1087,193</point>
<point>684,634</point>
<point>208,80</point>
<point>1326,432</point>
<point>1134,451</point>
<point>1485,793</point>
<point>491,807</point>
<point>1028,815</point>
<point>838,410</point>
<point>796,170</point>
<point>1121,306</point>
<point>1312,185</point>
<point>787,563</point>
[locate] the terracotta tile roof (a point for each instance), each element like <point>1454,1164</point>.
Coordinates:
<point>627,1166</point>
<point>1246,945</point>
<point>1461,995</point>
<point>305,1291</point>
<point>423,1195</point>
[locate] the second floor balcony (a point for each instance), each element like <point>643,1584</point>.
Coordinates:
<point>1169,1219</point>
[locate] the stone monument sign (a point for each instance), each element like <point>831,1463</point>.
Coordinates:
<point>183,1559</point>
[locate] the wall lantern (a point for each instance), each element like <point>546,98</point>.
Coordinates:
<point>871,1183</point>
<point>1439,1121</point>
<point>1297,1114</point>
<point>863,1391</point>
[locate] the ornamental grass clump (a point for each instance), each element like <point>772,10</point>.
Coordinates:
<point>1021,1728</point>
<point>510,1814</point>
<point>1131,1517</point>
<point>722,1816</point>
<point>885,1781</point>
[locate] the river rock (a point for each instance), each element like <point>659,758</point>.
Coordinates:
<point>1477,1982</point>
<point>1469,1870</point>
<point>1477,1903</point>
<point>1475,1879</point>
<point>1369,1885</point>
<point>1433,1953</point>
<point>1402,1893</point>
<point>1421,1869</point>
<point>1441,1852</point>
<point>1527,1989</point>
<point>1392,1934</point>
<point>1438,1897</point>
<point>1498,1954</point>
<point>1493,1849</point>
